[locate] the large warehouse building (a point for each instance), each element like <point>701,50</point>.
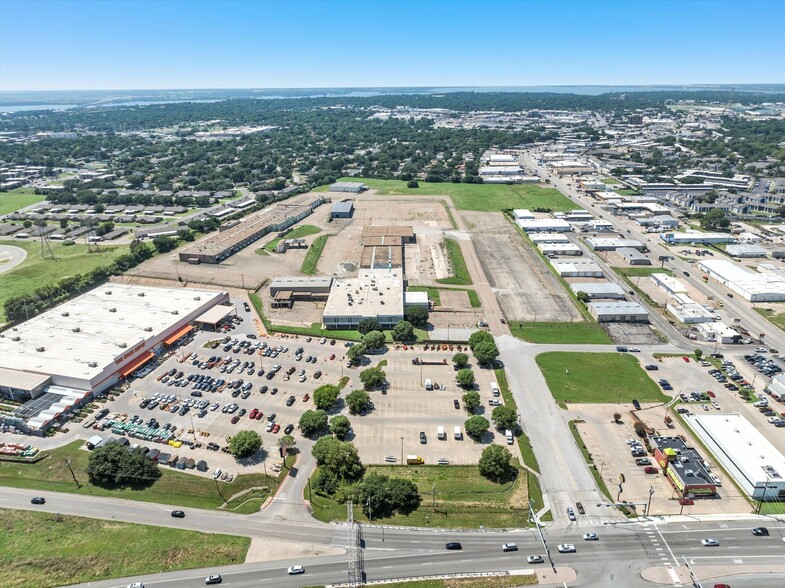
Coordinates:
<point>374,293</point>
<point>87,344</point>
<point>755,464</point>
<point>752,286</point>
<point>618,312</point>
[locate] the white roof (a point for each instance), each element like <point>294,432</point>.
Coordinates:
<point>597,288</point>
<point>745,250</point>
<point>744,279</point>
<point>85,329</point>
<point>618,308</point>
<point>558,247</point>
<point>549,238</point>
<point>374,292</point>
<point>521,213</point>
<point>415,297</point>
<point>741,448</point>
<point>668,282</point>
<point>540,224</point>
<point>595,242</point>
<point>577,265</point>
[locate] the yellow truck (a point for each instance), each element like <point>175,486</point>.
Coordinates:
<point>414,460</point>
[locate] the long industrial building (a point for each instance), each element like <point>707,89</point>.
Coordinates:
<point>757,467</point>
<point>87,344</point>
<point>752,286</point>
<point>217,247</point>
<point>374,293</point>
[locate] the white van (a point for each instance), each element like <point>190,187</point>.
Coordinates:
<point>428,385</point>
<point>510,438</point>
<point>495,389</point>
<point>440,433</point>
<point>456,433</point>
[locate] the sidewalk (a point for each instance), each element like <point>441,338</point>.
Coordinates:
<point>673,576</point>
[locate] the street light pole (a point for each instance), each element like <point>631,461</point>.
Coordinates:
<point>401,451</point>
<point>648,504</point>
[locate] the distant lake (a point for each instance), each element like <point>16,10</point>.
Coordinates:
<point>19,107</point>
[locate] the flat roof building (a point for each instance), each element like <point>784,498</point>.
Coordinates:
<point>599,290</point>
<point>538,238</point>
<point>696,237</point>
<point>559,249</point>
<point>718,331</point>
<point>545,225</point>
<point>618,312</point>
<point>757,467</point>
<point>343,209</point>
<point>745,251</point>
<point>374,293</point>
<point>687,311</point>
<point>684,467</point>
<point>579,268</point>
<point>352,187</point>
<point>668,283</point>
<point>633,256</point>
<point>613,243</point>
<point>753,286</point>
<point>522,214</point>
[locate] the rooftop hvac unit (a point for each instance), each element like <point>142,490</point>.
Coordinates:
<point>92,363</point>
<point>140,294</point>
<point>17,338</point>
<point>112,309</point>
<point>122,345</point>
<point>175,312</point>
<point>76,329</point>
<point>197,297</point>
<point>40,349</point>
<point>148,329</point>
<point>64,314</point>
<point>108,292</point>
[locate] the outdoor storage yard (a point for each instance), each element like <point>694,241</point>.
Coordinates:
<point>525,287</point>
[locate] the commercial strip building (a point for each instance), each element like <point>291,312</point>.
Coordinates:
<point>668,283</point>
<point>351,187</point>
<point>633,256</point>
<point>545,225</point>
<point>217,247</point>
<point>612,244</point>
<point>745,251</point>
<point>684,467</point>
<point>538,238</point>
<point>618,312</point>
<point>757,467</point>
<point>687,311</point>
<point>692,237</point>
<point>753,286</point>
<point>599,290</point>
<point>579,268</point>
<point>559,249</point>
<point>82,347</point>
<point>374,293</point>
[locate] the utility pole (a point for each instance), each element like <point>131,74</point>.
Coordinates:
<point>68,463</point>
<point>648,504</point>
<point>401,451</point>
<point>433,496</point>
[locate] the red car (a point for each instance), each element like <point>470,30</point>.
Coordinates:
<point>686,501</point>
<point>332,356</point>
<point>686,359</point>
<point>722,586</point>
<point>276,428</point>
<point>306,397</point>
<point>259,415</point>
<point>650,470</point>
<point>710,393</point>
<point>235,418</point>
<point>253,413</point>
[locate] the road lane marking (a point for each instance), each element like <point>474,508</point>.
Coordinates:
<point>668,546</point>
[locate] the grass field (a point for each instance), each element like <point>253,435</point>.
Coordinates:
<point>609,181</point>
<point>460,272</point>
<point>480,197</point>
<point>597,378</point>
<point>464,499</point>
<point>35,271</point>
<point>434,294</point>
<point>582,333</point>
<point>15,199</point>
<point>777,318</point>
<point>627,192</point>
<point>39,550</point>
<point>634,272</point>
<point>295,233</point>
<point>314,253</point>
<point>173,487</point>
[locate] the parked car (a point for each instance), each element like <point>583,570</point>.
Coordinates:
<point>213,579</point>
<point>38,500</point>
<point>650,470</point>
<point>453,545</point>
<point>178,514</point>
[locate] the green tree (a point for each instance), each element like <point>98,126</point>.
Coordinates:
<point>698,354</point>
<point>357,400</point>
<point>113,464</point>
<point>504,417</point>
<point>340,425</point>
<point>582,296</point>
<point>373,340</point>
<point>324,397</point>
<point>382,496</point>
<point>326,482</point>
<point>495,463</point>
<point>162,243</point>
<point>355,352</point>
<point>416,315</point>
<point>286,443</point>
<point>460,359</point>
<point>403,331</point>
<point>372,378</point>
<point>715,219</point>
<point>465,378</point>
<point>476,426</point>
<point>312,421</point>
<point>478,337</point>
<point>369,324</point>
<point>245,443</point>
<point>63,223</point>
<point>412,184</point>
<point>485,352</point>
<point>471,400</point>
<point>338,457</point>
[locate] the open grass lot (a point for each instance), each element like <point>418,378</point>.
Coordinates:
<point>173,487</point>
<point>464,499</point>
<point>460,275</point>
<point>15,199</point>
<point>296,233</point>
<point>482,197</point>
<point>597,378</point>
<point>627,192</point>
<point>314,253</point>
<point>583,333</point>
<point>35,271</point>
<point>38,550</point>
<point>778,318</point>
<point>433,294</point>
<point>634,272</point>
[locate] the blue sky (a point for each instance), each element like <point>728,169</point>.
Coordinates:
<point>64,44</point>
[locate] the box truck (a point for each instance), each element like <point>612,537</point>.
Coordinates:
<point>440,433</point>
<point>456,432</point>
<point>414,460</point>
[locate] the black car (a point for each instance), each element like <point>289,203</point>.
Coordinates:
<point>38,500</point>
<point>760,532</point>
<point>271,417</point>
<point>289,428</point>
<point>453,545</point>
<point>213,579</point>
<point>178,514</point>
<point>290,401</point>
<point>580,508</point>
<point>456,404</point>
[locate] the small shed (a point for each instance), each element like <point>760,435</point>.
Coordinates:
<point>94,441</point>
<point>190,463</point>
<point>201,465</point>
<point>163,458</point>
<point>180,463</point>
<point>153,454</point>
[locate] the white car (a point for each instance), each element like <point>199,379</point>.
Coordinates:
<point>136,585</point>
<point>533,559</point>
<point>590,537</point>
<point>509,547</point>
<point>710,542</point>
<point>567,548</point>
<point>294,570</point>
